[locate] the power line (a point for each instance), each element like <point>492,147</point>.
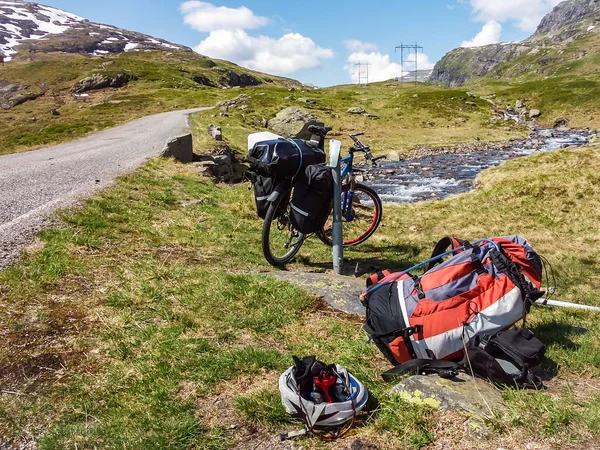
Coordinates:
<point>411,49</point>
<point>362,75</point>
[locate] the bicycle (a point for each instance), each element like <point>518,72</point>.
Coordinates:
<point>361,207</point>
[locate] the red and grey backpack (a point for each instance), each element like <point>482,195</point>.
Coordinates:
<point>481,290</point>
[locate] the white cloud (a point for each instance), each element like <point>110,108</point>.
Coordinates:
<point>354,45</point>
<point>228,40</point>
<point>527,14</point>
<point>382,67</point>
<point>288,54</point>
<point>489,34</point>
<point>207,17</point>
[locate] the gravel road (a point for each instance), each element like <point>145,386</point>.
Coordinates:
<point>35,184</point>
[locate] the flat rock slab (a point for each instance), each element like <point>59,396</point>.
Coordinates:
<point>342,293</point>
<point>463,393</point>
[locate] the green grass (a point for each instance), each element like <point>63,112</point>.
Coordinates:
<point>165,81</point>
<point>425,115</point>
<point>140,315</point>
<point>408,117</point>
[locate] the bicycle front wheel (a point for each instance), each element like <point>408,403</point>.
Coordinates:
<point>280,240</point>
<point>361,216</point>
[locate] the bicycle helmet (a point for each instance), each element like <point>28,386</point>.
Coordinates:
<point>326,397</point>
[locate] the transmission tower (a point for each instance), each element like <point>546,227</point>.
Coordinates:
<point>410,49</point>
<point>363,75</point>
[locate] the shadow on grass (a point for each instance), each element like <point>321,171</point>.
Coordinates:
<point>395,259</point>
<point>555,333</point>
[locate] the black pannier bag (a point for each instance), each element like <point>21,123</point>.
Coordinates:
<point>263,188</point>
<point>281,158</point>
<point>311,201</point>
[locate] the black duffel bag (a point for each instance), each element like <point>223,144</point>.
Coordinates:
<point>311,201</point>
<point>281,158</point>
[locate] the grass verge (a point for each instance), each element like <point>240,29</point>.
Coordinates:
<point>140,324</point>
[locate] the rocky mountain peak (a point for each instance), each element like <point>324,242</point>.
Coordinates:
<point>566,19</point>
<point>27,27</point>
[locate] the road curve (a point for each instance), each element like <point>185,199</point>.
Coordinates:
<point>35,184</point>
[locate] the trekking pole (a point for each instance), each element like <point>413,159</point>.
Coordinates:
<point>566,305</point>
<point>335,150</point>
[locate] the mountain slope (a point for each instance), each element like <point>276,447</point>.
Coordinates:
<point>27,28</point>
<point>570,24</point>
<point>67,76</point>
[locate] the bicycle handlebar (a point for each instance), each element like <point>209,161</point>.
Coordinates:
<point>321,131</point>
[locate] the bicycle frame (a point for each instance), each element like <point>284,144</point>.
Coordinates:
<point>348,196</point>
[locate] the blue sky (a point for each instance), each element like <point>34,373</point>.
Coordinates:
<point>315,41</point>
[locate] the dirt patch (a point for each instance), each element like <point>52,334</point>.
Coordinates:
<point>38,350</point>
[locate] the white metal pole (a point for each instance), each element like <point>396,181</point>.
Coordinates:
<point>567,305</point>
<point>335,150</point>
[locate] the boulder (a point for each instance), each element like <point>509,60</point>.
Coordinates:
<point>464,393</point>
<point>310,101</point>
<point>471,104</point>
<point>470,94</point>
<point>546,134</point>
<point>233,79</point>
<point>519,104</point>
<point>534,113</point>
<point>99,81</point>
<point>215,132</point>
<point>14,99</point>
<point>202,80</point>
<point>356,110</point>
<point>9,88</point>
<point>222,165</point>
<point>181,148</point>
<point>294,122</point>
<point>233,103</point>
<point>561,123</point>
<point>11,97</point>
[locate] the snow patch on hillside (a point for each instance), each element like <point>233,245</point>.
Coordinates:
<point>20,21</point>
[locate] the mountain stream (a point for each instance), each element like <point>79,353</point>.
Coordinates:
<point>441,175</point>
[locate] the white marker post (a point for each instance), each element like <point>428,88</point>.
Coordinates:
<point>335,161</point>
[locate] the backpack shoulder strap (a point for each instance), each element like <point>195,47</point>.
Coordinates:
<point>443,246</point>
<point>445,369</point>
<point>377,276</point>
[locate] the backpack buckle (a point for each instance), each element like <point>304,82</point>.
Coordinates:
<point>411,331</point>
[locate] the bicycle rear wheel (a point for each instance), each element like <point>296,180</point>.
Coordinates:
<point>280,241</point>
<point>361,221</point>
